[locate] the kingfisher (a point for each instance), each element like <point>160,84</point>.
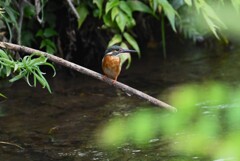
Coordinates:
<point>111,62</point>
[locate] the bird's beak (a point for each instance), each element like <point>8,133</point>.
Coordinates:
<point>128,51</point>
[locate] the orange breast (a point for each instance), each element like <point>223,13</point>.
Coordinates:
<point>111,66</point>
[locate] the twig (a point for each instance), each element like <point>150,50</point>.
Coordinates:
<point>12,144</point>
<point>88,72</point>
<point>73,9</point>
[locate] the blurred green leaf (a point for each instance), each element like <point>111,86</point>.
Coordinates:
<point>1,95</point>
<point>40,33</point>
<point>49,32</point>
<point>83,12</point>
<point>117,38</point>
<point>132,42</point>
<point>121,21</point>
<point>188,2</point>
<point>113,134</point>
<point>110,4</point>
<point>29,10</point>
<point>153,4</point>
<point>126,56</point>
<point>50,49</point>
<point>99,4</point>
<point>139,6</point>
<point>125,8</point>
<point>141,126</point>
<point>114,13</point>
<point>3,54</point>
<point>49,45</point>
<point>169,11</point>
<point>107,20</point>
<point>236,4</point>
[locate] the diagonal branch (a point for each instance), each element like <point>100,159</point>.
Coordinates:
<point>88,72</point>
<point>12,144</point>
<point>73,9</point>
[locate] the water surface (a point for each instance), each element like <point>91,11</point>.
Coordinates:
<point>62,125</point>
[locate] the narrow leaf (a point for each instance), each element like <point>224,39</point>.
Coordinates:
<point>117,38</point>
<point>139,6</point>
<point>125,57</point>
<point>3,54</point>
<point>169,11</point>
<point>1,95</point>
<point>132,42</point>
<point>17,77</point>
<point>153,4</point>
<point>99,4</point>
<point>83,12</point>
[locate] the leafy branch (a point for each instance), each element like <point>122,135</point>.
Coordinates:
<point>27,68</point>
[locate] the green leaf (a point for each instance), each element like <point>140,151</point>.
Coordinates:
<point>139,6</point>
<point>1,95</point>
<point>117,38</point>
<point>49,44</point>
<point>12,15</point>
<point>110,4</point>
<point>83,12</point>
<point>236,4</point>
<point>114,13</point>
<point>50,49</point>
<point>99,4</point>
<point>153,4</point>
<point>29,10</point>
<point>39,33</point>
<point>50,65</point>
<point>131,22</point>
<point>3,54</point>
<point>38,61</point>
<point>15,67</point>
<point>17,77</point>
<point>188,2</point>
<point>169,11</point>
<point>126,56</point>
<point>8,71</point>
<point>107,20</point>
<point>132,42</point>
<point>7,61</point>
<point>121,21</point>
<point>211,25</point>
<point>49,32</point>
<point>125,8</point>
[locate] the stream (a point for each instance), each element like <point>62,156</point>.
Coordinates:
<point>62,125</point>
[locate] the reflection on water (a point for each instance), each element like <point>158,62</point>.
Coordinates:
<point>62,125</point>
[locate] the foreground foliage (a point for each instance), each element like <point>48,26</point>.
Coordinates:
<point>205,126</point>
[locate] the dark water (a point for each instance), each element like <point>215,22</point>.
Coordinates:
<point>61,126</point>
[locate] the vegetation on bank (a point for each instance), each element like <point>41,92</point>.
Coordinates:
<point>41,23</point>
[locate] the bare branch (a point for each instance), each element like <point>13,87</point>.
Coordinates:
<point>12,144</point>
<point>88,72</point>
<point>73,9</point>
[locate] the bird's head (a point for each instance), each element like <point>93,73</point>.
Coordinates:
<point>116,50</point>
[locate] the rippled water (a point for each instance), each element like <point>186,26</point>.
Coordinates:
<point>61,125</point>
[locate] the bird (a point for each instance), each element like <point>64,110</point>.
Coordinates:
<point>111,62</point>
